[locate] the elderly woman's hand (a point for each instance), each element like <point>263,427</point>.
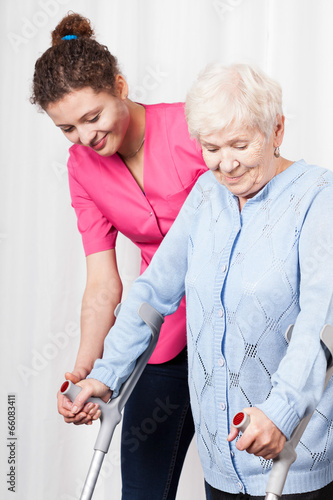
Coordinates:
<point>261,437</point>
<point>80,412</point>
<point>88,413</point>
<point>90,388</point>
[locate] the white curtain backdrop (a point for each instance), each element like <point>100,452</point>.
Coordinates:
<point>161,45</point>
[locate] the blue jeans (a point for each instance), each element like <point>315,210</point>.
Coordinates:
<point>157,431</point>
<point>325,493</point>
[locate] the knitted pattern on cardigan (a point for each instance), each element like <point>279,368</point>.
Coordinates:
<point>247,276</point>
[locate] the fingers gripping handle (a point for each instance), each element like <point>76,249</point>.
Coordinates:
<point>72,391</point>
<point>110,415</point>
<point>281,463</point>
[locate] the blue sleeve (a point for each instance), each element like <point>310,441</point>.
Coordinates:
<point>299,380</point>
<point>162,285</point>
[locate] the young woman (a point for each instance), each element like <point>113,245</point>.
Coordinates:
<point>130,170</point>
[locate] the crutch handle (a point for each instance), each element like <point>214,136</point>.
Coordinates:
<point>72,391</point>
<point>241,420</point>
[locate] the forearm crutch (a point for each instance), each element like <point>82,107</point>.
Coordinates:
<point>111,412</point>
<point>282,463</point>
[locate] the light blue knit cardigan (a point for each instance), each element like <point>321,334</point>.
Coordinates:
<point>247,276</point>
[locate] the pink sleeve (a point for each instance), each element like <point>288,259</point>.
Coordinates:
<point>98,234</point>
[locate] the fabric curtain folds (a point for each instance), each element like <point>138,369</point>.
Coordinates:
<point>161,46</point>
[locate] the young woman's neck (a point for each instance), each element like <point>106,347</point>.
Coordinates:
<point>135,134</point>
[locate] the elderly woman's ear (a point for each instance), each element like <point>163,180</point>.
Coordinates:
<point>278,131</point>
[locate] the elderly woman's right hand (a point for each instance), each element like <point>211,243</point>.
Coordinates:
<point>261,438</point>
<point>89,412</point>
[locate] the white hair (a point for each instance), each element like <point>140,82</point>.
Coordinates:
<point>236,94</point>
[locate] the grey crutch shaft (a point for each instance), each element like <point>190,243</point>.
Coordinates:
<point>92,476</point>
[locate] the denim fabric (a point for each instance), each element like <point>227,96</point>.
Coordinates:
<point>157,431</point>
<point>325,493</point>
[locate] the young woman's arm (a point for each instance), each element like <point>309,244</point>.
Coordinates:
<point>102,294</point>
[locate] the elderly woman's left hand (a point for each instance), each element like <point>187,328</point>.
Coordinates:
<point>261,437</point>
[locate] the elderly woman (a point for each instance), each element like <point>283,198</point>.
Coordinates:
<point>252,250</point>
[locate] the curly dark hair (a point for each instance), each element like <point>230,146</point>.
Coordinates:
<point>72,64</point>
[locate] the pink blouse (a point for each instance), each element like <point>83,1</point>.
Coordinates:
<point>107,199</point>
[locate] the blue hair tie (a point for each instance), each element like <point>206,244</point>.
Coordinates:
<point>69,37</point>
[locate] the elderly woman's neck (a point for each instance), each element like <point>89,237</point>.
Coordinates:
<point>280,165</point>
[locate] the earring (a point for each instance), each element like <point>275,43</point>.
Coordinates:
<point>277,152</point>
<point>126,95</point>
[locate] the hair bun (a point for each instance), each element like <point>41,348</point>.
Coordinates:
<point>72,24</point>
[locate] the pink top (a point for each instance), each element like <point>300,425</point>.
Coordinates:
<point>107,199</point>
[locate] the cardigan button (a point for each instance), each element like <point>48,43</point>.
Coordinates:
<point>224,268</point>
<point>221,362</point>
<point>220,312</point>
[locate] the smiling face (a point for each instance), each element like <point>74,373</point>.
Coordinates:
<point>96,120</point>
<point>242,159</point>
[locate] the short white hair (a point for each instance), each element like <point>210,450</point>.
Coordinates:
<point>236,94</point>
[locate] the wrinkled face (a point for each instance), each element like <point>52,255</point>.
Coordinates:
<point>96,120</point>
<point>241,159</point>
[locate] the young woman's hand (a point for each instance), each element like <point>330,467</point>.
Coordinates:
<point>261,437</point>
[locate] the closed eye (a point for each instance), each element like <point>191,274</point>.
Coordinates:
<point>66,130</point>
<point>211,150</point>
<point>93,120</point>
